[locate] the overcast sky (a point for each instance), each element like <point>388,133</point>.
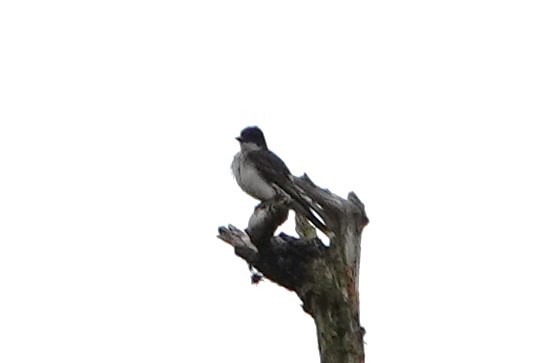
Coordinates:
<point>117,126</point>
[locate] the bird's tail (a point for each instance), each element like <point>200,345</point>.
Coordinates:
<point>307,212</point>
<point>303,207</point>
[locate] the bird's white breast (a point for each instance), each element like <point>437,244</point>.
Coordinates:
<point>249,179</point>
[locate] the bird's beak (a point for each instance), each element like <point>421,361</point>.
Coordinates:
<point>238,138</point>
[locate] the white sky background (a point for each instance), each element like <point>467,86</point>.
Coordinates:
<point>117,126</point>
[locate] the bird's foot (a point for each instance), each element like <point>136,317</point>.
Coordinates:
<point>276,200</point>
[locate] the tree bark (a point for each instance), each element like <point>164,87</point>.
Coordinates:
<point>324,277</point>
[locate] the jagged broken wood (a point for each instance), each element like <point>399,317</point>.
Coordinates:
<point>324,277</point>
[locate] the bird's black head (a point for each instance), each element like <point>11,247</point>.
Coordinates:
<point>252,135</point>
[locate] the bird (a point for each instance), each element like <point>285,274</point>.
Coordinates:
<point>264,176</point>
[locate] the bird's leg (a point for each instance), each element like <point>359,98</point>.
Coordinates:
<point>277,199</point>
<point>263,204</point>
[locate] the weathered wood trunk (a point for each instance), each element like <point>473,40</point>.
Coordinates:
<point>333,302</point>
<point>325,278</point>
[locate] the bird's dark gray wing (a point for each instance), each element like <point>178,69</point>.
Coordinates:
<point>270,167</point>
<point>274,170</point>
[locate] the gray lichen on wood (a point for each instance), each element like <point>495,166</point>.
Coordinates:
<point>324,277</point>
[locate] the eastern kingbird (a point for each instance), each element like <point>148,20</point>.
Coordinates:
<point>264,176</point>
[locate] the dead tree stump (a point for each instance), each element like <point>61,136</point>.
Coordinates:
<point>324,277</point>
